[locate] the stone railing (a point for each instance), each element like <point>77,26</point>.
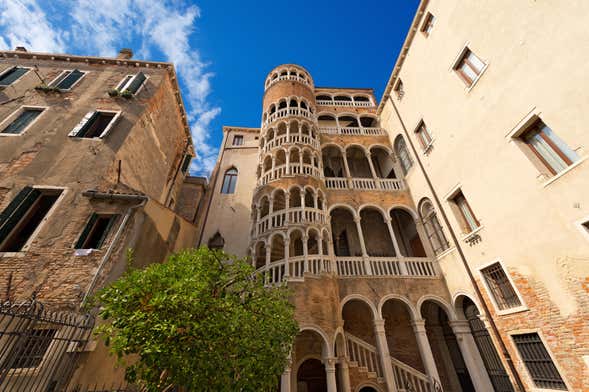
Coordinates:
<point>359,104</point>
<point>385,266</point>
<point>368,184</point>
<point>276,272</point>
<point>289,170</point>
<point>291,78</point>
<point>294,215</point>
<point>355,131</point>
<point>363,354</point>
<point>292,139</point>
<point>408,379</point>
<point>287,112</point>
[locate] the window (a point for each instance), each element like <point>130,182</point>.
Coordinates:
<point>29,350</point>
<point>428,24</point>
<point>95,124</point>
<point>541,368</point>
<point>399,91</point>
<point>23,216</point>
<point>229,181</point>
<point>95,231</point>
<point>12,75</point>
<point>132,83</point>
<point>67,79</point>
<point>22,121</point>
<point>403,154</point>
<point>466,217</point>
<point>237,140</point>
<point>186,163</point>
<point>433,228</point>
<point>469,67</point>
<point>550,150</point>
<point>424,137</point>
<point>500,287</point>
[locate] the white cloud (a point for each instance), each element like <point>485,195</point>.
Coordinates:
<point>103,27</point>
<point>25,24</point>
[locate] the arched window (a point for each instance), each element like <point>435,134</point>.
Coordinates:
<point>433,228</point>
<point>403,154</point>
<point>229,181</point>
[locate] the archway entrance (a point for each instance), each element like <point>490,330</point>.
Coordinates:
<point>311,376</point>
<point>368,389</point>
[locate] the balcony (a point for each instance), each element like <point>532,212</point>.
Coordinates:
<point>365,184</point>
<point>298,215</point>
<point>286,170</point>
<point>353,131</point>
<point>288,112</point>
<point>297,138</point>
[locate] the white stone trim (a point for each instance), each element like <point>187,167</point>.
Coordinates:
<point>501,312</point>
<point>14,115</point>
<point>121,87</point>
<point>459,57</point>
<point>84,73</point>
<point>565,171</point>
<point>19,78</point>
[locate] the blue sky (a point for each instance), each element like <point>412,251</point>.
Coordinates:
<point>222,49</point>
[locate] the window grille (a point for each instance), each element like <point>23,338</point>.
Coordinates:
<point>500,287</point>
<point>542,370</point>
<point>433,228</point>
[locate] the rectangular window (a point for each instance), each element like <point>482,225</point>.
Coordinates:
<point>425,138</point>
<point>237,140</point>
<point>428,24</point>
<point>552,152</point>
<point>466,216</point>
<point>500,287</point>
<point>541,368</point>
<point>22,121</point>
<point>23,215</point>
<point>67,79</point>
<point>30,349</point>
<point>469,67</point>
<point>12,75</point>
<point>186,163</point>
<point>132,83</point>
<point>95,124</point>
<point>95,231</point>
<point>399,91</point>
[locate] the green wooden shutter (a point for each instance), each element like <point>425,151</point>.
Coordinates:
<point>86,231</point>
<point>82,127</point>
<point>67,82</point>
<point>12,75</point>
<point>21,122</point>
<point>17,208</point>
<point>136,82</point>
<point>111,221</point>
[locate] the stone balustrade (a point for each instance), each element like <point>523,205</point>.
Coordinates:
<point>290,78</point>
<point>296,215</point>
<point>289,170</point>
<point>354,131</point>
<point>358,104</point>
<point>368,184</point>
<point>292,139</point>
<point>287,112</point>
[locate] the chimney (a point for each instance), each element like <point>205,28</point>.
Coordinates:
<point>20,49</point>
<point>125,54</point>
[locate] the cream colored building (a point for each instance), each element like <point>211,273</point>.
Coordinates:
<point>439,238</point>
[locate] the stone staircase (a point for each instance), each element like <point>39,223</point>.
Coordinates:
<point>364,364</point>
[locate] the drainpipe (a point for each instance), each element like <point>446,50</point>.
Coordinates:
<point>109,196</point>
<point>478,293</point>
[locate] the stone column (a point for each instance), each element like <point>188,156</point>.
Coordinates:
<point>288,162</point>
<point>286,256</point>
<point>305,253</point>
<point>363,246</point>
<point>372,171</point>
<point>472,358</point>
<point>285,378</point>
<point>387,220</point>
<point>344,379</point>
<point>347,167</point>
<point>273,166</point>
<point>288,133</point>
<point>286,207</point>
<point>330,374</point>
<point>425,349</point>
<point>385,356</point>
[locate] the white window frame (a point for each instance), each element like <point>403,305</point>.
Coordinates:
<point>86,118</point>
<point>120,87</point>
<point>425,150</point>
<point>14,115</point>
<point>501,312</point>
<point>526,372</point>
<point>399,92</point>
<point>27,245</point>
<point>19,78</point>
<point>456,62</point>
<point>424,24</point>
<point>84,73</point>
<point>449,197</point>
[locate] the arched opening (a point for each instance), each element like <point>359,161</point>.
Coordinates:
<point>281,129</point>
<point>320,200</point>
<point>265,206</point>
<point>280,158</point>
<point>376,233</point>
<point>382,163</point>
<point>403,154</point>
<point>333,162</point>
<point>307,157</point>
<point>361,98</point>
<point>358,163</point>
<point>405,230</point>
<point>323,98</point>
<point>272,109</point>
<point>293,103</point>
<point>305,129</point>
<point>432,226</point>
<point>270,134</point>
<point>345,235</point>
<point>294,198</point>
<point>359,332</point>
<point>368,389</point>
<point>279,202</point>
<point>294,128</point>
<point>267,163</point>
<point>348,122</point>
<point>325,242</point>
<point>451,367</point>
<point>260,259</point>
<point>484,343</point>
<point>368,122</point>
<point>311,376</point>
<point>296,244</point>
<point>229,181</point>
<point>282,105</point>
<point>284,72</point>
<point>342,98</point>
<point>313,242</point>
<point>309,198</point>
<point>277,248</point>
<point>400,334</point>
<point>304,105</point>
<point>327,121</point>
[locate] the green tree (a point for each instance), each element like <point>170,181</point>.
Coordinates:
<point>202,321</point>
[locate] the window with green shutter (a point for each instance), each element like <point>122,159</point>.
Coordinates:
<point>95,124</point>
<point>12,75</point>
<point>67,79</point>
<point>24,119</point>
<point>95,231</point>
<point>21,218</point>
<point>132,83</point>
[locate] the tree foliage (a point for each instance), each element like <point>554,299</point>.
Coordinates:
<point>200,321</point>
